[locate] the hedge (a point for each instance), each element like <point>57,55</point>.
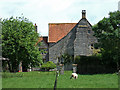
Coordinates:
<point>92,65</point>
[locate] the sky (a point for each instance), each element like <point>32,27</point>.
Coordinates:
<point>43,12</point>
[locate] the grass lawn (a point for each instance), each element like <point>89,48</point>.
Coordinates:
<point>88,81</point>
<point>37,79</point>
<point>33,79</point>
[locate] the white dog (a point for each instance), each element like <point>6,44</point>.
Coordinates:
<point>74,75</point>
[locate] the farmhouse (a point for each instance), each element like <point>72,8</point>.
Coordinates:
<point>75,39</point>
<point>43,47</point>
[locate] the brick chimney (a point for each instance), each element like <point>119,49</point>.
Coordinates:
<point>35,27</point>
<point>83,13</point>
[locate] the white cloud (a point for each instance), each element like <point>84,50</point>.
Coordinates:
<point>43,12</point>
<point>59,5</point>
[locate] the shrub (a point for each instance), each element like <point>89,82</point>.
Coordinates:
<point>49,65</point>
<point>67,58</point>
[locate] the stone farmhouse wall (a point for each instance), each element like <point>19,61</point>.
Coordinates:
<point>65,45</point>
<point>77,42</point>
<point>44,47</point>
<point>84,38</point>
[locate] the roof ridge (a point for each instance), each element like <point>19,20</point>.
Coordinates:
<point>61,23</point>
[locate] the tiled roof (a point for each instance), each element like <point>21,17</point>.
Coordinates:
<point>44,38</point>
<point>58,30</point>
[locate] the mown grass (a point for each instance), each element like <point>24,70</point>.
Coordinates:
<point>37,79</point>
<point>88,81</point>
<point>30,80</point>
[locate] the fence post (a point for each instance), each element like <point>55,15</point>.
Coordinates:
<point>74,68</point>
<point>61,69</point>
<point>55,84</point>
<point>119,79</point>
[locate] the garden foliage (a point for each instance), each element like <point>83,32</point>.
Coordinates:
<point>18,43</point>
<point>108,33</point>
<point>49,65</point>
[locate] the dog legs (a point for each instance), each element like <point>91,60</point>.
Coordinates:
<point>71,77</point>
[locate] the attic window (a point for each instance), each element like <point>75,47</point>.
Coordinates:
<point>89,31</point>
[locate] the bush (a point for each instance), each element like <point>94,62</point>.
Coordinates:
<point>49,65</point>
<point>68,59</point>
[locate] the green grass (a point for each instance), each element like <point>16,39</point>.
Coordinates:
<point>30,80</point>
<point>46,80</point>
<point>88,81</point>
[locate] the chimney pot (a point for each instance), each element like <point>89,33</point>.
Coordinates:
<point>35,27</point>
<point>83,13</point>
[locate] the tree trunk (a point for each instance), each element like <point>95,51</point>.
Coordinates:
<point>14,66</point>
<point>118,66</point>
<point>9,66</point>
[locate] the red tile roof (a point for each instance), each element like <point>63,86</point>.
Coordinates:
<point>44,38</point>
<point>58,30</point>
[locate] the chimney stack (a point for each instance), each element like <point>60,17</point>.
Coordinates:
<point>83,13</point>
<point>35,28</point>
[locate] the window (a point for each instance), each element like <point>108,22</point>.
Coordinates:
<point>92,46</point>
<point>42,53</point>
<point>88,31</point>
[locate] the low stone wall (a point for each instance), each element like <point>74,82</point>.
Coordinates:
<point>68,67</point>
<point>36,69</point>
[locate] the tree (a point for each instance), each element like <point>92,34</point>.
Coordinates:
<point>108,33</point>
<point>18,42</point>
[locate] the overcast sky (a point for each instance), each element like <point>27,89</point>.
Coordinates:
<point>43,12</point>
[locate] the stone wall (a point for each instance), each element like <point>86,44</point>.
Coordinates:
<point>84,38</point>
<point>44,47</point>
<point>77,42</point>
<point>43,44</point>
<point>65,45</point>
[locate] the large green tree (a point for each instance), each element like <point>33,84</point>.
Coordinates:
<point>18,42</point>
<point>108,33</point>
